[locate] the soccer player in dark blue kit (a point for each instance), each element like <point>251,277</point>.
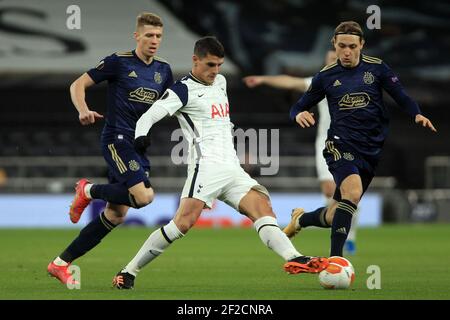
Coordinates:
<point>136,79</point>
<point>359,125</point>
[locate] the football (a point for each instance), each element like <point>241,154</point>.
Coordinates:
<point>338,275</point>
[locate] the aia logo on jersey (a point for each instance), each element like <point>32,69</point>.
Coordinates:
<point>220,111</point>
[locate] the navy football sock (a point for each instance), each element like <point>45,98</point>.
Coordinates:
<point>115,193</point>
<point>341,225</point>
<point>314,218</point>
<point>89,237</point>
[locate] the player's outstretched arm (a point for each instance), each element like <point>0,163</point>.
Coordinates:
<point>305,119</point>
<point>425,122</point>
<point>280,81</point>
<point>78,95</point>
<point>149,118</point>
<point>144,124</point>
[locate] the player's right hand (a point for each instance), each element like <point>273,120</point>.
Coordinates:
<point>87,118</point>
<point>141,144</point>
<point>305,119</point>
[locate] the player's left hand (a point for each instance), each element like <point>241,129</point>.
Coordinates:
<point>425,122</point>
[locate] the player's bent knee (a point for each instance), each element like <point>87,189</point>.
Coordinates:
<point>184,224</point>
<point>186,219</point>
<point>115,216</point>
<point>116,220</point>
<point>353,196</point>
<point>141,199</point>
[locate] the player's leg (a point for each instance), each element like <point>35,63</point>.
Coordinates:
<point>248,197</point>
<point>350,243</point>
<point>327,188</point>
<point>351,190</point>
<point>187,214</point>
<point>256,205</point>
<point>136,196</point>
<point>366,175</point>
<point>301,219</point>
<point>193,200</point>
<point>128,181</point>
<point>89,237</point>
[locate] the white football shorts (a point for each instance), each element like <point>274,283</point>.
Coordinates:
<point>226,182</point>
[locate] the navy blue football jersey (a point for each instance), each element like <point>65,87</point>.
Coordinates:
<point>133,86</point>
<point>359,117</point>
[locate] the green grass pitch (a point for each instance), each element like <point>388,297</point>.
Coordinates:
<point>228,264</point>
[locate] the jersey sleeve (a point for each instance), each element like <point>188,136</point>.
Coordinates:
<point>391,83</point>
<point>174,98</point>
<point>310,98</point>
<point>148,119</point>
<point>105,70</point>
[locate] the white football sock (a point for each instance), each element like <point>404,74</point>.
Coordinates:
<point>60,262</point>
<point>275,239</point>
<point>158,241</point>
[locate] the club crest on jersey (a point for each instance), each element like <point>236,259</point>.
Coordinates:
<point>348,156</point>
<point>220,111</point>
<point>133,165</point>
<point>157,77</point>
<point>144,95</point>
<point>368,78</point>
<point>354,101</point>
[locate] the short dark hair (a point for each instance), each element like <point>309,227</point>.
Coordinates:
<point>209,45</point>
<point>349,27</point>
<point>148,18</point>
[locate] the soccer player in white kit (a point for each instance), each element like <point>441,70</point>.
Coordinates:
<point>200,103</point>
<point>324,176</point>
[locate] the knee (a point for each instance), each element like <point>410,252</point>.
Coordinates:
<point>184,222</point>
<point>115,218</point>
<point>353,195</point>
<point>258,214</point>
<point>328,189</point>
<point>144,198</point>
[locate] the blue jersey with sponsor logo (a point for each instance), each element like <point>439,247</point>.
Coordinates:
<point>359,117</point>
<point>133,86</point>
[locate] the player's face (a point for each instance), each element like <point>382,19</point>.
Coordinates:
<point>148,39</point>
<point>348,49</point>
<point>207,68</point>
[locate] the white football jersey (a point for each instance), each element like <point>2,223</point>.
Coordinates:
<point>203,112</point>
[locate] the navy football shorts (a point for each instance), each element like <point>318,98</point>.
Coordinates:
<point>342,161</point>
<point>125,165</point>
